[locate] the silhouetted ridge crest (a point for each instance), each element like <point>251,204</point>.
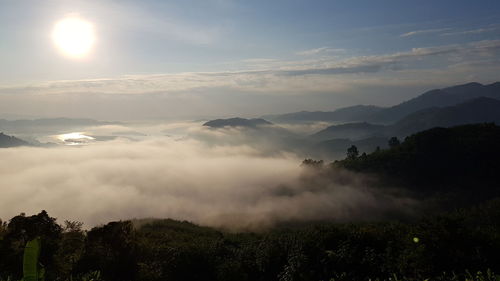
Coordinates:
<point>10,141</point>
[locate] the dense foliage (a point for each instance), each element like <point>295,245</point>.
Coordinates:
<point>173,250</point>
<point>439,159</point>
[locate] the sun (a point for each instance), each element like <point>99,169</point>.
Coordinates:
<point>74,36</point>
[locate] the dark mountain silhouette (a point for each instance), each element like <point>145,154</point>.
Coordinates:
<point>368,113</point>
<point>437,98</point>
<point>237,122</point>
<point>352,131</point>
<point>352,113</point>
<point>479,110</point>
<point>10,141</point>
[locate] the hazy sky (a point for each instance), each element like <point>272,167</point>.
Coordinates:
<point>177,59</point>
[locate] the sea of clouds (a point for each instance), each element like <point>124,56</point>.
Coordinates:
<point>194,175</point>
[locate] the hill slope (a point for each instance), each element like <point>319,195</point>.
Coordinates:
<point>352,113</point>
<point>10,141</point>
<point>440,159</point>
<point>352,131</point>
<point>48,125</point>
<point>368,113</point>
<point>437,98</point>
<point>479,110</point>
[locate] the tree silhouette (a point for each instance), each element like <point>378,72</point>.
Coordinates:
<point>352,152</point>
<point>312,163</point>
<point>393,142</point>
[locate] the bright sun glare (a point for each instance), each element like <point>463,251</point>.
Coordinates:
<point>74,36</point>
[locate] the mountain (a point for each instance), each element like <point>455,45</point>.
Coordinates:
<point>237,122</point>
<point>479,110</point>
<point>352,113</point>
<point>10,141</point>
<point>352,131</point>
<point>45,125</point>
<point>53,122</point>
<point>437,98</point>
<point>368,113</point>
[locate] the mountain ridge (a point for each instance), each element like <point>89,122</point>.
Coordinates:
<point>11,141</point>
<point>443,97</point>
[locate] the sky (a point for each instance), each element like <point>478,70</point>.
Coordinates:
<point>221,58</point>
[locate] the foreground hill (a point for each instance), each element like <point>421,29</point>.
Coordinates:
<point>237,122</point>
<point>448,247</point>
<point>10,141</point>
<point>462,157</point>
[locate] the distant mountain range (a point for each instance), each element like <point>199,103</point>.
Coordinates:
<point>10,141</point>
<point>437,98</point>
<point>369,126</point>
<point>48,124</point>
<point>352,113</point>
<point>53,122</point>
<point>479,110</point>
<point>373,114</point>
<point>352,131</point>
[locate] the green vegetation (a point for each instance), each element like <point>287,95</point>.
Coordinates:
<point>453,242</point>
<point>32,269</point>
<point>439,159</point>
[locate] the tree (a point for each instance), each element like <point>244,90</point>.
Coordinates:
<point>71,248</point>
<point>22,229</point>
<point>352,152</point>
<point>393,142</point>
<point>111,249</point>
<point>312,163</point>
<point>363,156</point>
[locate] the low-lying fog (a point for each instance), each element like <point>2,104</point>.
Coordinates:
<point>224,177</point>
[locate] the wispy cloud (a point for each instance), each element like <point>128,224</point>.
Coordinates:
<point>269,85</point>
<point>424,31</point>
<point>473,31</point>
<point>271,78</point>
<point>322,50</point>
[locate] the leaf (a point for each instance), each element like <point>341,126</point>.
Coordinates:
<point>30,260</point>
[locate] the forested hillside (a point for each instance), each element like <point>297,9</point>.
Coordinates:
<point>449,246</point>
<point>438,159</point>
